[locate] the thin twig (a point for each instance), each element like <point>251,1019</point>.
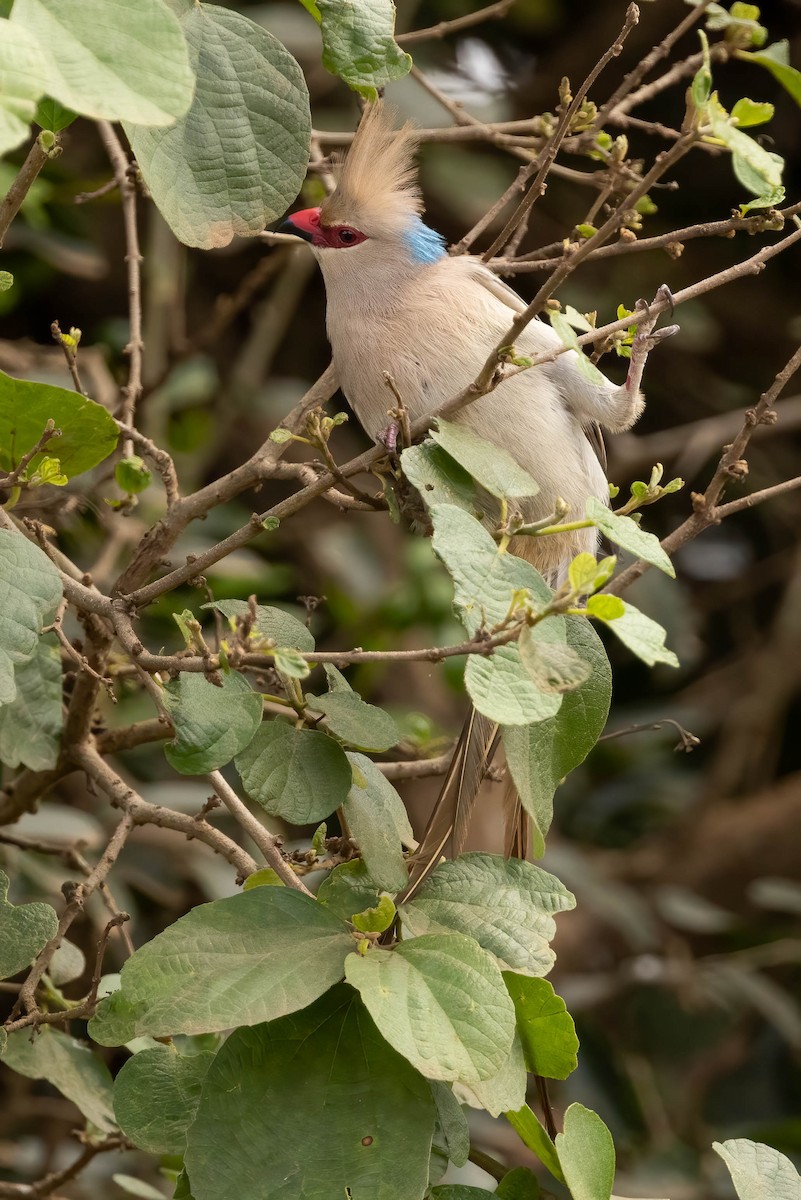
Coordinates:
<point>444,28</point>
<point>545,159</point>
<point>11,202</point>
<point>262,837</point>
<point>15,477</point>
<point>133,260</point>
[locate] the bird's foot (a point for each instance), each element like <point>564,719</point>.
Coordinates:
<point>648,336</point>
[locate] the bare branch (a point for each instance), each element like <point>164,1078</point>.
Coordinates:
<point>444,28</point>
<point>11,202</point>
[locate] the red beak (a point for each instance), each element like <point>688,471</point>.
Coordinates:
<point>305,224</point>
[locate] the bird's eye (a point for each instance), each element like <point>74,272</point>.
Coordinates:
<point>347,236</point>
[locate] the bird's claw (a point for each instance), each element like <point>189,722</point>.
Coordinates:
<point>644,343</point>
<point>663,292</point>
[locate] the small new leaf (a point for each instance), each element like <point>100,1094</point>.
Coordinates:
<point>376,920</point>
<point>132,475</point>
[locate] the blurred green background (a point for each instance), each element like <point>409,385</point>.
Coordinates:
<point>682,962</point>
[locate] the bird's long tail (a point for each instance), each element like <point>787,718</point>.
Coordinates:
<point>450,816</point>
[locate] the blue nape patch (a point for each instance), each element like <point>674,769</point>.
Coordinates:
<point>425,245</point>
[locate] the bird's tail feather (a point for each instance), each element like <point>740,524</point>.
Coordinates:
<point>450,816</point>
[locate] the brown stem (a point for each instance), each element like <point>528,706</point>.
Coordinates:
<point>10,204</point>
<point>261,836</point>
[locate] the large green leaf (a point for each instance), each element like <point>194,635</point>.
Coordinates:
<point>485,579</point>
<point>354,721</point>
<point>238,158</point>
<point>502,688</point>
<point>545,1026</point>
<point>504,1091</point>
<point>452,1123</point>
<point>518,1184</point>
<point>277,626</point>
<point>348,889</point>
<point>30,591</point>
<point>30,725</point>
<point>88,431</point>
<point>627,533</point>
<point>24,930</point>
<point>441,1002</point>
<point>586,1154</point>
<point>23,71</point>
<point>438,478</point>
<point>316,1105</point>
<point>377,819</point>
<point>358,43</point>
<point>506,904</point>
<point>540,755</point>
<point>212,724</point>
<point>759,1172</point>
<point>237,961</point>
<point>493,467</point>
<point>69,1065</point>
<point>156,1095</point>
<point>301,775</point>
<point>112,58</point>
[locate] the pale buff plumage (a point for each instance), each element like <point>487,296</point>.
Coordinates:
<point>432,325</point>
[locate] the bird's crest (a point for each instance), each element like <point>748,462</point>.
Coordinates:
<point>377,181</point>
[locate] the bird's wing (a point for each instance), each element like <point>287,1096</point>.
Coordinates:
<point>508,296</point>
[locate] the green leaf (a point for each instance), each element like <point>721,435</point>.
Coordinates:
<point>325,1083</point>
<point>500,689</point>
<point>438,478</point>
<point>459,1191</point>
<point>750,112</point>
<point>606,608</point>
<point>553,666</point>
<point>569,337</point>
<point>88,432</point>
<point>137,1187</point>
<point>485,579</point>
<point>266,877</point>
<point>643,636</point>
<point>439,1001</point>
<point>627,533</point>
<point>546,1028</point>
<point>156,1095</point>
<point>452,1122</point>
<point>757,169</point>
<point>586,574</point>
<point>30,592</point>
<point>237,160</point>
<point>24,930</point>
<point>276,626</point>
<point>355,722</point>
<point>70,1066</point>
<point>503,1091</point>
<point>529,1129</point>
<point>540,756</point>
<point>348,889</point>
<point>358,43</point>
<point>586,1154</point>
<point>377,919</point>
<point>288,661</point>
<point>493,467</point>
<point>377,819</point>
<point>759,1172</point>
<point>23,70</point>
<point>519,1184</point>
<point>53,116</point>
<point>132,475</point>
<point>130,65</point>
<point>68,963</point>
<point>6,281</point>
<point>248,958</point>
<point>506,904</point>
<point>212,724</point>
<point>301,775</point>
<point>30,725</point>
<point>776,59</point>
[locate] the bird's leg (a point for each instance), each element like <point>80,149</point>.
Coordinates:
<point>647,337</point>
